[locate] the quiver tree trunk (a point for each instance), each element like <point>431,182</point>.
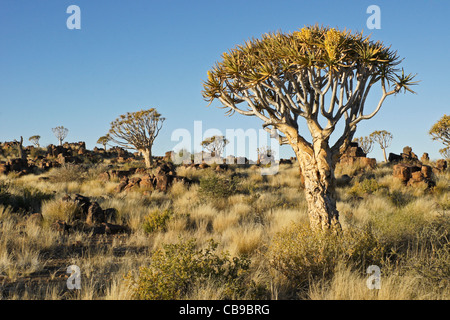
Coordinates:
<point>147,154</point>
<point>317,175</point>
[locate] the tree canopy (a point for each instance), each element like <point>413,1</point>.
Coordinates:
<point>137,130</point>
<point>283,76</point>
<point>318,74</point>
<point>440,131</point>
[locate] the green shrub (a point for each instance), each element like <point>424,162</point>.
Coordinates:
<point>399,199</point>
<point>177,269</point>
<point>214,186</point>
<point>157,220</point>
<point>367,186</point>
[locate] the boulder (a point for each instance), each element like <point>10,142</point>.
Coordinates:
<point>425,157</point>
<point>148,182</point>
<point>426,171</point>
<point>394,157</point>
<point>60,226</point>
<point>35,218</point>
<point>95,214</point>
<point>441,165</point>
<point>123,183</point>
<point>109,228</point>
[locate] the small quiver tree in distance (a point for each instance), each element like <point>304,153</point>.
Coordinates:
<point>60,133</point>
<point>365,143</point>
<point>35,140</point>
<point>215,145</point>
<point>440,131</point>
<point>103,140</point>
<point>384,139</point>
<point>283,78</point>
<point>137,130</point>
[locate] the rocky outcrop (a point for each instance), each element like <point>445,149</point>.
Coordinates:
<point>413,175</point>
<point>90,218</point>
<point>354,155</point>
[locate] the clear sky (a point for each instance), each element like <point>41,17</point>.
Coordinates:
<point>133,55</point>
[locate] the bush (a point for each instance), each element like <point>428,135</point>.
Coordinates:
<point>22,198</point>
<point>303,255</point>
<point>399,199</point>
<point>68,172</point>
<point>177,269</point>
<point>59,209</point>
<point>215,187</point>
<point>157,220</point>
<point>367,186</point>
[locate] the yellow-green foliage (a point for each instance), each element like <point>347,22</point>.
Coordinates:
<point>157,220</point>
<point>177,269</point>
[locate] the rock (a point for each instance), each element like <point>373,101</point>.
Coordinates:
<point>123,183</point>
<point>109,228</point>
<point>407,150</point>
<point>441,165</point>
<point>95,214</point>
<point>413,175</point>
<point>417,176</point>
<point>82,202</point>
<point>169,156</point>
<point>353,150</point>
<point>148,182</point>
<point>285,161</point>
<point>132,183</point>
<point>394,157</point>
<point>425,157</point>
<point>110,214</point>
<point>203,166</point>
<point>140,171</point>
<point>221,167</point>
<point>426,171</point>
<point>60,226</point>
<point>104,176</point>
<point>114,228</point>
<point>163,181</point>
<point>4,168</point>
<point>368,162</point>
<point>343,180</point>
<point>35,218</point>
<point>402,172</point>
<point>408,155</point>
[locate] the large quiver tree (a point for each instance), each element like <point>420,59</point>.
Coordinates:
<point>318,74</point>
<point>137,130</point>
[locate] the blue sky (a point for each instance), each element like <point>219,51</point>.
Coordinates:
<point>132,55</point>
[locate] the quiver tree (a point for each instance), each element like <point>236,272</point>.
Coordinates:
<point>384,139</point>
<point>35,140</point>
<point>440,131</point>
<point>365,143</point>
<point>60,133</point>
<point>317,74</point>
<point>215,145</point>
<point>103,140</point>
<point>137,130</point>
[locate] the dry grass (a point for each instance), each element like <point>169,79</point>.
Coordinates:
<point>243,224</point>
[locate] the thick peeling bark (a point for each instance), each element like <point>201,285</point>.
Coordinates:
<point>147,154</point>
<point>320,183</point>
<point>317,163</point>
